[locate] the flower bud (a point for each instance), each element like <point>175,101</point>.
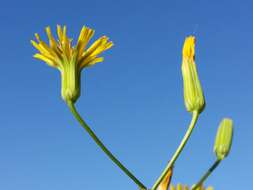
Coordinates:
<point>223,139</point>
<point>164,185</point>
<point>193,94</point>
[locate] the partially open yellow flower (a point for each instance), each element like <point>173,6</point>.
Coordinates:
<point>193,94</point>
<point>164,185</point>
<point>70,60</point>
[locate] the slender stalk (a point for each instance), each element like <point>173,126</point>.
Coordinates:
<point>102,146</point>
<point>179,149</point>
<point>206,175</point>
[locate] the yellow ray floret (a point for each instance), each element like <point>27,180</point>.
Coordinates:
<point>60,52</point>
<point>189,48</point>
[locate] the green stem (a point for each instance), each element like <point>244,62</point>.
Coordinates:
<point>102,146</point>
<point>206,175</point>
<point>179,149</point>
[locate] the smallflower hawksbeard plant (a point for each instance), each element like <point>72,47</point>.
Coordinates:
<point>70,60</point>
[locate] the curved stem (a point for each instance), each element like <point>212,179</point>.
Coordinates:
<point>179,149</point>
<point>206,175</point>
<point>102,146</point>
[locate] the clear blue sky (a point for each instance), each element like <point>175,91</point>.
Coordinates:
<point>133,100</point>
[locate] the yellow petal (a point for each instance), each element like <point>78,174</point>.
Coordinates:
<point>41,49</point>
<point>104,44</point>
<point>84,38</point>
<point>49,61</point>
<point>179,187</point>
<point>59,33</point>
<point>37,37</point>
<point>66,46</point>
<point>36,45</point>
<point>96,48</point>
<point>172,187</point>
<point>189,48</point>
<point>96,45</point>
<point>96,60</point>
<point>52,41</point>
<point>91,61</point>
<point>44,46</point>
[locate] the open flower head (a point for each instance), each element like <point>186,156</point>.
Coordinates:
<point>193,94</point>
<point>70,60</point>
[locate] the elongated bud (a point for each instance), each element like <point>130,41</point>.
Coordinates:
<point>164,185</point>
<point>193,94</point>
<point>224,138</point>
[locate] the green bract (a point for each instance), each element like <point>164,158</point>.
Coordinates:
<point>70,76</point>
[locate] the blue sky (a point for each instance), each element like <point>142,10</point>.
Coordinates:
<point>133,100</point>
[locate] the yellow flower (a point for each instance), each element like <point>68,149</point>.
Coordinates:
<point>70,60</point>
<point>193,94</point>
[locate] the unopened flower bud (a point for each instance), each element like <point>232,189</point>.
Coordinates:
<point>224,138</point>
<point>193,94</point>
<point>164,185</point>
